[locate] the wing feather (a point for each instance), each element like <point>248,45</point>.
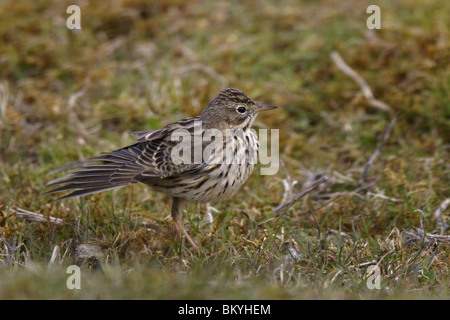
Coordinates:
<point>147,160</point>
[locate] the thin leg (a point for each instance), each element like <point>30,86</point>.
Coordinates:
<point>178,226</point>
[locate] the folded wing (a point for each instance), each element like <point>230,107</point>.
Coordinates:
<point>149,159</point>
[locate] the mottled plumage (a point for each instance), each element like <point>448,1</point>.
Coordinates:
<point>218,175</point>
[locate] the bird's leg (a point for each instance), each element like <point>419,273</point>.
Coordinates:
<point>178,226</point>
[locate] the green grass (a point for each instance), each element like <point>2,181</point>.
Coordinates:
<point>66,96</point>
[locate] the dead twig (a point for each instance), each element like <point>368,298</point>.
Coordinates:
<point>4,97</point>
<point>367,92</point>
<point>376,152</point>
<point>55,254</point>
<point>283,207</point>
<point>340,63</point>
<point>442,207</point>
<point>33,216</point>
<point>419,235</point>
<point>335,195</point>
<point>10,251</point>
<point>437,215</point>
<point>319,234</point>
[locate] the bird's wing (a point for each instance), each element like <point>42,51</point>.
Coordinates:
<point>148,135</point>
<point>151,158</point>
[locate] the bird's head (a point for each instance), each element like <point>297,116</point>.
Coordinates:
<point>232,109</point>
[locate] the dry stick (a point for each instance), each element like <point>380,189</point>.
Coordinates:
<point>33,216</point>
<point>283,207</point>
<point>315,220</point>
<point>442,207</point>
<point>75,246</point>
<point>11,249</point>
<point>340,63</point>
<point>343,193</point>
<point>53,257</point>
<point>437,215</point>
<point>417,235</point>
<point>377,151</point>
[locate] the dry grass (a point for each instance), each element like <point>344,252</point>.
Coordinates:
<point>66,96</point>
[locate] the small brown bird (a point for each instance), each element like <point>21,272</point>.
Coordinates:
<point>218,155</point>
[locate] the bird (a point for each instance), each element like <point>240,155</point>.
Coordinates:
<point>205,158</point>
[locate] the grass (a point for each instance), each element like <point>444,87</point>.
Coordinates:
<point>66,96</point>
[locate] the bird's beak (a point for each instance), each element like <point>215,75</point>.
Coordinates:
<point>265,107</point>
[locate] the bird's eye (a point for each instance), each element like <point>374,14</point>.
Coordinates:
<point>241,109</point>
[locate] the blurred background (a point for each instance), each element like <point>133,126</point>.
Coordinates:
<point>66,95</point>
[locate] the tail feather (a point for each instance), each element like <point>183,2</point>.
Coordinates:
<point>83,180</point>
<point>84,186</point>
<point>83,192</point>
<point>108,171</point>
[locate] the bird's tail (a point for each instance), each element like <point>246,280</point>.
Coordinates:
<point>108,171</point>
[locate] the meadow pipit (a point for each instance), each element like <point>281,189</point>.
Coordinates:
<point>212,160</point>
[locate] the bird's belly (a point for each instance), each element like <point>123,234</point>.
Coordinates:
<point>219,179</point>
<point>219,184</point>
<point>228,181</point>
